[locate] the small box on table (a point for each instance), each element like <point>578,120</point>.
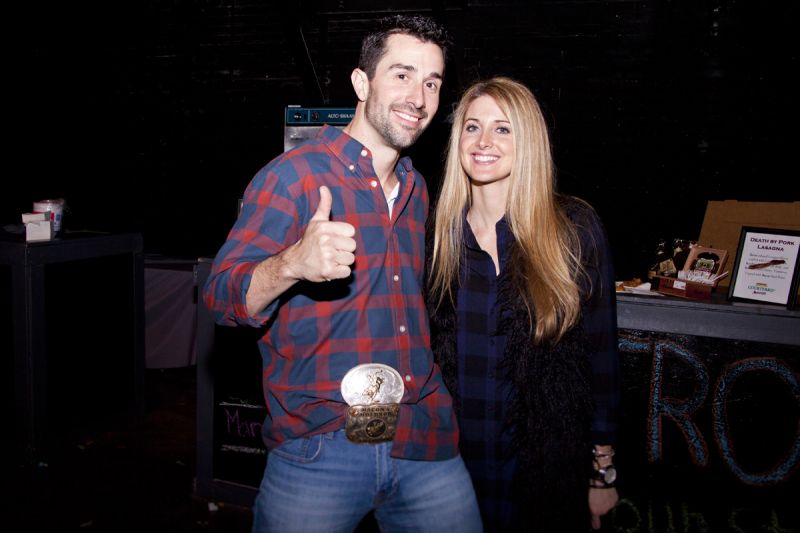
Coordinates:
<point>699,276</point>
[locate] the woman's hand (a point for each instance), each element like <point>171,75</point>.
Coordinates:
<point>602,498</point>
<point>601,501</point>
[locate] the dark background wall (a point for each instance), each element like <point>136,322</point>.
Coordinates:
<point>153,115</point>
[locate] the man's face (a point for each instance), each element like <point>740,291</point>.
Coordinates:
<point>404,93</point>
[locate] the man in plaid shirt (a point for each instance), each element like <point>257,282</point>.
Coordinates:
<point>327,257</point>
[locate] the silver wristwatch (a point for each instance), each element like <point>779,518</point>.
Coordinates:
<point>607,475</point>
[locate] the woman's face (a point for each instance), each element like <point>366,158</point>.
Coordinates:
<point>486,146</point>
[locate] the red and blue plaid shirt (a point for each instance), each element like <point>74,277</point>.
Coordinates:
<point>316,332</point>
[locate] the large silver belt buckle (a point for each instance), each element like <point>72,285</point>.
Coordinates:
<point>373,392</point>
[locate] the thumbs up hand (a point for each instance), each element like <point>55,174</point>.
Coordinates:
<point>323,211</point>
<point>325,251</point>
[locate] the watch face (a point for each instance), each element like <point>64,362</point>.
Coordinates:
<point>609,474</point>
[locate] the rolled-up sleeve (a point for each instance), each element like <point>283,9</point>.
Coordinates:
<point>267,224</point>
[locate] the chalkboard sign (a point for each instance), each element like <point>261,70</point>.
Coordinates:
<point>239,411</point>
<point>710,435</point>
<point>231,455</point>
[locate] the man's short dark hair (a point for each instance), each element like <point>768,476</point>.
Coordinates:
<point>373,46</point>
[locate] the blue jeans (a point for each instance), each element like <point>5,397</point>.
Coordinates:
<point>327,483</point>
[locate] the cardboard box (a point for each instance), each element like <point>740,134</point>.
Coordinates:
<point>722,225</point>
<point>34,217</point>
<point>40,230</point>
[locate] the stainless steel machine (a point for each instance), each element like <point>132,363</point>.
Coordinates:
<point>303,123</point>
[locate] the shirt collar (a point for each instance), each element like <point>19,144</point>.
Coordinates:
<point>349,151</point>
<point>345,148</point>
<point>504,235</point>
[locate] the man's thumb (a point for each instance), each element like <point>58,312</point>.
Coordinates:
<point>324,209</point>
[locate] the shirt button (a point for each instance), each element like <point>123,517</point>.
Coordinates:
<point>352,168</point>
<point>374,183</point>
<point>408,377</point>
<point>402,329</point>
<point>364,153</point>
<point>396,277</point>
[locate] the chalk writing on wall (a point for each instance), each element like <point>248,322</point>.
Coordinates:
<point>680,410</point>
<point>703,417</point>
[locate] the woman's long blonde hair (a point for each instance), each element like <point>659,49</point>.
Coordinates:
<point>546,251</point>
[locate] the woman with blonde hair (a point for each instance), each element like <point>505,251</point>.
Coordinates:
<point>521,297</point>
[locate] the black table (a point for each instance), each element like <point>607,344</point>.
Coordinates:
<point>716,318</point>
<point>30,264</point>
